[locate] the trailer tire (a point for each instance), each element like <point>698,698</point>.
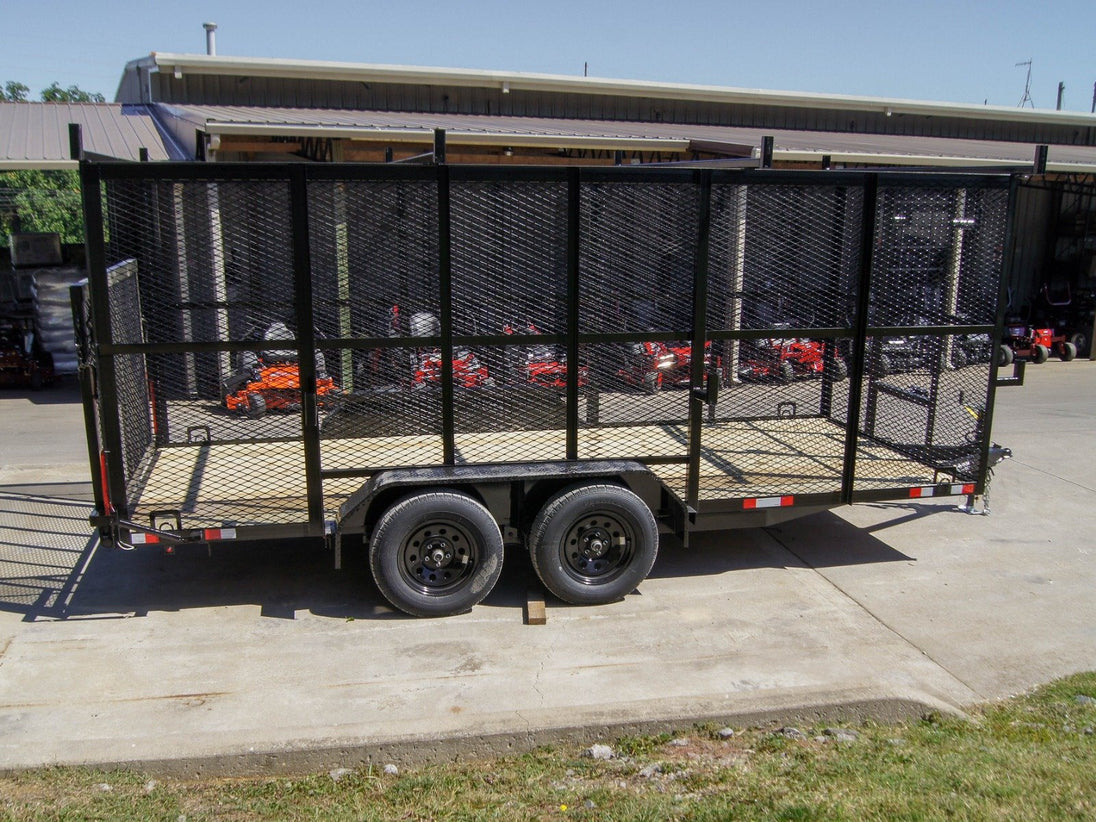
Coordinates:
<point>616,531</point>
<point>1067,352</point>
<point>1039,354</point>
<point>840,371</point>
<point>256,406</point>
<point>436,553</point>
<point>1004,356</point>
<point>1080,342</point>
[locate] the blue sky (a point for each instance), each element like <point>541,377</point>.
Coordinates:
<point>960,51</point>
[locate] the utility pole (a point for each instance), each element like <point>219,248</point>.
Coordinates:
<point>1093,111</point>
<point>1027,85</point>
<point>1061,91</point>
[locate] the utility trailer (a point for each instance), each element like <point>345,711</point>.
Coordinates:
<point>401,288</point>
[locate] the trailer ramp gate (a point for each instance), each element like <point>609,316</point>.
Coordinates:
<point>265,338</point>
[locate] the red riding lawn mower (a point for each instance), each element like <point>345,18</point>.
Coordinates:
<point>1035,345</point>
<point>679,374</point>
<point>271,379</point>
<point>644,366</point>
<point>784,359</point>
<point>541,363</point>
<point>468,371</point>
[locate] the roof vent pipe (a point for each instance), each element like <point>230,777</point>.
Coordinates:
<point>211,38</point>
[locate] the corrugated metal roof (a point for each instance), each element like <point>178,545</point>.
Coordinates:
<point>36,135</point>
<point>512,81</point>
<point>470,129</point>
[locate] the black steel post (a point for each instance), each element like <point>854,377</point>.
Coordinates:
<point>86,373</point>
<point>697,394</point>
<point>445,295</point>
<point>91,193</point>
<point>76,142</point>
<point>859,357</point>
<point>574,199</point>
<point>999,328</point>
<point>1040,164</point>
<point>767,151</point>
<point>306,342</point>
<point>439,146</point>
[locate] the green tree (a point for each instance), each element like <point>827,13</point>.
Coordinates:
<point>41,201</point>
<point>14,92</point>
<point>72,94</point>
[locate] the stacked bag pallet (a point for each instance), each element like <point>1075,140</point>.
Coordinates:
<point>53,312</point>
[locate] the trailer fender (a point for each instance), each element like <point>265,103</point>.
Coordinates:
<point>507,491</point>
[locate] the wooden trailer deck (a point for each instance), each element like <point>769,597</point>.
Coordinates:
<point>262,482</point>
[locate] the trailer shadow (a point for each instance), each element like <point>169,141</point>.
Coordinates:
<point>45,548</point>
<point>817,541</point>
<point>51,570</point>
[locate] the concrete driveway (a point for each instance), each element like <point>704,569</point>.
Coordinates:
<point>264,658</point>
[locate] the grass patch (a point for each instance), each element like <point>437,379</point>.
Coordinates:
<point>1032,757</point>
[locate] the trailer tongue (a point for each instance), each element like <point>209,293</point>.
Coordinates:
<point>436,444</point>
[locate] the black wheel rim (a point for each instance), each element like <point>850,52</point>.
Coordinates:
<point>598,548</point>
<point>438,558</point>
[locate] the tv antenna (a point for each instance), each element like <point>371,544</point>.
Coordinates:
<point>1027,85</point>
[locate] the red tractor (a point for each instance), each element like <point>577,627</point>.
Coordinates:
<point>541,363</point>
<point>1036,344</point>
<point>784,359</point>
<point>468,371</point>
<point>644,366</point>
<point>680,373</point>
<point>271,379</point>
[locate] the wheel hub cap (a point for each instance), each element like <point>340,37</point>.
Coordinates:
<point>438,556</point>
<point>597,546</point>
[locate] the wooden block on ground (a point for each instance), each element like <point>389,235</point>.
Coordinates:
<point>535,613</point>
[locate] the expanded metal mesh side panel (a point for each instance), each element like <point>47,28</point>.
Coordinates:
<point>937,256</point>
<point>783,256</point>
<point>215,258</point>
<point>509,276</point>
<point>374,253</point>
<point>638,255</point>
<point>215,267</point>
<point>920,410</point>
<point>392,418</point>
<point>776,435</point>
<point>509,258</point>
<point>214,273</point>
<point>638,411</point>
<point>131,374</point>
<point>637,258</point>
<point>375,264</point>
<point>937,262</point>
